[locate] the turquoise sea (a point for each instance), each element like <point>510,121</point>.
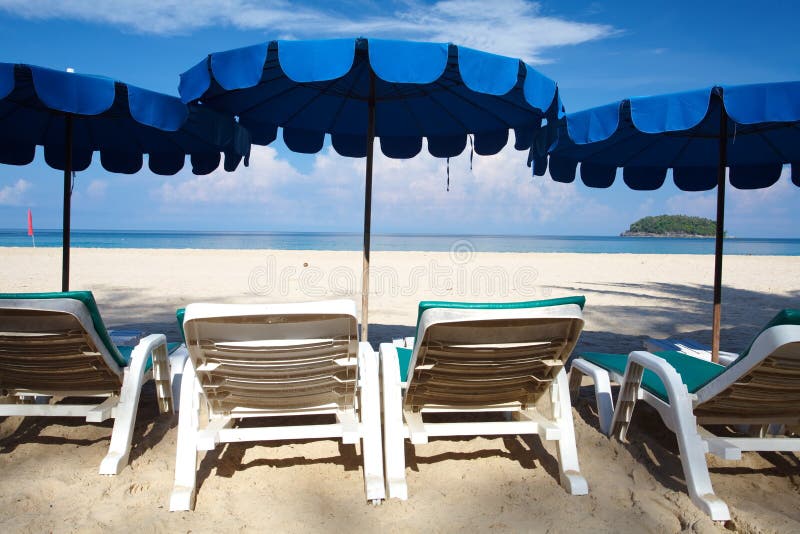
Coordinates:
<point>347,241</point>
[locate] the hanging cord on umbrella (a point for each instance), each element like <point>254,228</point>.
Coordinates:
<point>448,175</point>
<point>471,152</point>
<point>72,185</point>
<point>471,156</point>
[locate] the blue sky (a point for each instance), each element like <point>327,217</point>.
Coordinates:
<point>596,51</point>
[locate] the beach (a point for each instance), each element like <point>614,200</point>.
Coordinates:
<point>505,484</point>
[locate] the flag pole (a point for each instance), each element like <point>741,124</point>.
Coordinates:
<point>30,227</point>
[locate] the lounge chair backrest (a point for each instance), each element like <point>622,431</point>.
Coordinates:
<point>764,382</point>
<point>275,357</point>
<point>51,344</point>
<point>478,356</point>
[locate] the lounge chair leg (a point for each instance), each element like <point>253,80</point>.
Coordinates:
<point>125,418</point>
<point>678,415</point>
<point>626,401</point>
<point>161,377</point>
<point>393,436</point>
<point>693,460</point>
<point>575,379</point>
<point>370,411</point>
<point>569,470</point>
<point>602,390</point>
<point>184,491</point>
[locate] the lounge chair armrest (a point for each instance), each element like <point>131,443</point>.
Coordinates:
<point>390,365</point>
<point>393,427</point>
<point>404,342</point>
<point>147,346</point>
<point>366,352</point>
<point>370,417</point>
<point>602,389</point>
<point>678,416</point>
<point>155,347</point>
<point>177,361</point>
<point>365,347</point>
<point>677,394</point>
<point>387,348</point>
<point>119,449</point>
<point>676,390</point>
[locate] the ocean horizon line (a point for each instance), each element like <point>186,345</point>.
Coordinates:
<point>295,232</point>
<point>455,244</point>
<point>389,234</point>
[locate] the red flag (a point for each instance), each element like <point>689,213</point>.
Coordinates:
<point>30,223</point>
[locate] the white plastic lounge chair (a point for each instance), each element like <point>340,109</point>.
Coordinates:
<point>759,389</point>
<point>471,358</point>
<point>276,360</point>
<point>56,345</point>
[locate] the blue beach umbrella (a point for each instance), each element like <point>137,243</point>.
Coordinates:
<point>357,89</point>
<point>753,130</point>
<point>73,115</point>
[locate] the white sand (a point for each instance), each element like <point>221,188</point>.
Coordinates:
<point>49,466</point>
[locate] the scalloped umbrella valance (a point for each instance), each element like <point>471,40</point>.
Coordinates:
<point>358,89</point>
<point>73,115</point>
<point>753,130</point>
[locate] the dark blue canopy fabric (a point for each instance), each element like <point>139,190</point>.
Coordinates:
<point>681,131</point>
<point>120,121</point>
<point>433,90</point>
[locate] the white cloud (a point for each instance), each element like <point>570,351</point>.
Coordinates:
<point>693,203</point>
<point>758,212</point>
<point>757,200</point>
<point>97,189</point>
<point>738,201</point>
<point>646,207</point>
<point>257,183</point>
<point>498,194</point>
<point>12,195</point>
<point>512,27</point>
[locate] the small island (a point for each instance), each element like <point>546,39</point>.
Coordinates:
<point>672,226</point>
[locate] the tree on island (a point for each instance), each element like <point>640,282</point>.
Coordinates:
<point>672,226</point>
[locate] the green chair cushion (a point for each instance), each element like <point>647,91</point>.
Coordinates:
<point>404,359</point>
<point>428,304</point>
<point>783,317</point>
<point>694,372</point>
<point>179,313</point>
